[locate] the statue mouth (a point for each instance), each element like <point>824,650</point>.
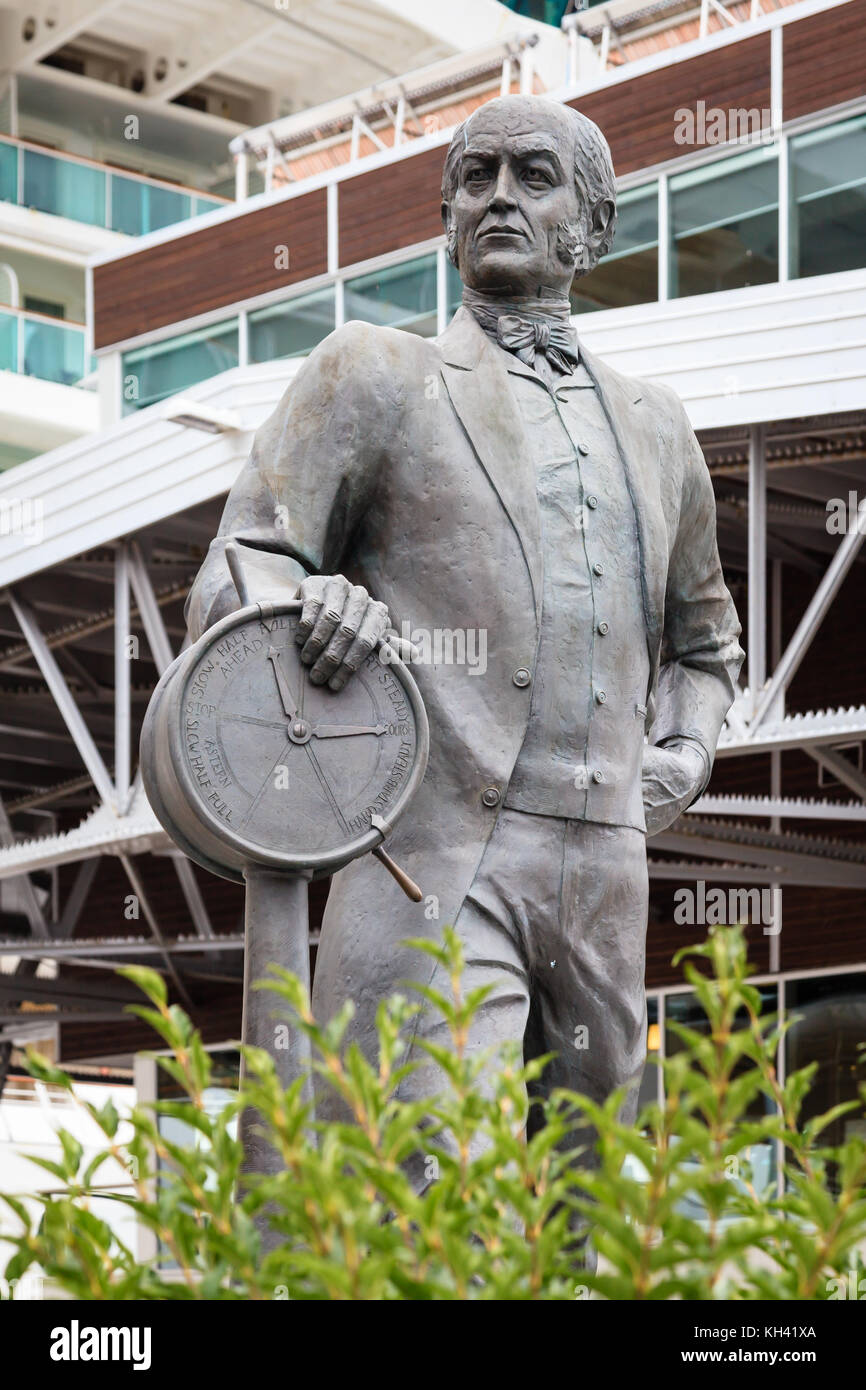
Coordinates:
<point>510,232</point>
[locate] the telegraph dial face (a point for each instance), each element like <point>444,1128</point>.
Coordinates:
<point>245,761</point>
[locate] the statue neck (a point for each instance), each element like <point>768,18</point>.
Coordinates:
<point>548,305</point>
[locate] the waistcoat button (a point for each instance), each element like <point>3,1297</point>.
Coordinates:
<point>490,796</point>
<point>598,568</point>
<point>604,629</point>
<point>521,677</point>
<point>598,776</point>
<point>592,501</point>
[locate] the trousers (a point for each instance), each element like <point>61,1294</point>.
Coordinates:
<point>555,923</point>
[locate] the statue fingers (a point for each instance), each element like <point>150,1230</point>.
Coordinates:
<point>312,594</point>
<point>336,591</point>
<point>343,637</point>
<point>373,627</point>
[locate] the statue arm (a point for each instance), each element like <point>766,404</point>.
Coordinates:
<point>310,476</point>
<point>701,656</point>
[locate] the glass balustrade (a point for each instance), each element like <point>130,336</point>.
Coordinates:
<point>92,194</point>
<point>828,199</point>
<point>151,373</point>
<point>402,296</point>
<point>724,219</point>
<point>291,328</point>
<point>8,342</point>
<point>36,346</point>
<point>8,173</point>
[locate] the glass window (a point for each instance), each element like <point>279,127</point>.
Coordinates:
<point>829,1027</point>
<point>138,207</point>
<point>8,342</point>
<point>630,273</point>
<point>649,1086</point>
<point>724,224</point>
<point>828,199</point>
<point>8,173</point>
<point>151,373</point>
<point>402,296</point>
<point>53,351</point>
<point>291,328</point>
<point>64,188</point>
<point>201,205</point>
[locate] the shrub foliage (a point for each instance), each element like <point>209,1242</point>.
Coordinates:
<point>674,1201</point>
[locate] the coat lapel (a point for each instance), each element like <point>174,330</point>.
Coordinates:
<point>635,430</point>
<point>480,391</point>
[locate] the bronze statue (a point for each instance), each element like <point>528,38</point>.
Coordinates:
<point>499,482</point>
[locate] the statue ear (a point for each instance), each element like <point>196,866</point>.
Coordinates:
<point>602,215</point>
<point>450,233</point>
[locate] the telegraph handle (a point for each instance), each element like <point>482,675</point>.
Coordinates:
<point>409,886</point>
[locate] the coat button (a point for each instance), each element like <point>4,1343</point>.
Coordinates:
<point>521,677</point>
<point>601,696</point>
<point>604,629</point>
<point>490,796</point>
<point>598,568</point>
<point>598,776</point>
<point>582,449</point>
<point>592,501</point>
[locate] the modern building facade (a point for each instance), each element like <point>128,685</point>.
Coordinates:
<point>738,276</point>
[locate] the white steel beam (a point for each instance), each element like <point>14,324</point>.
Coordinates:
<point>138,888</point>
<point>810,622</point>
<point>779,861</point>
<point>122,682</point>
<point>192,894</point>
<point>30,902</point>
<point>842,770</point>
<point>757,575</point>
<point>781,807</point>
<point>63,698</point>
<point>148,608</point>
<point>805,731</point>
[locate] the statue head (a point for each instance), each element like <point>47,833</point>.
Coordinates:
<point>528,196</point>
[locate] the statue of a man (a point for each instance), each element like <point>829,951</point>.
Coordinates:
<point>500,486</point>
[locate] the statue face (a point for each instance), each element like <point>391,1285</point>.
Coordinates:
<point>517,211</point>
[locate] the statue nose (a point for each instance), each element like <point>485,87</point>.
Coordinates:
<point>503,193</point>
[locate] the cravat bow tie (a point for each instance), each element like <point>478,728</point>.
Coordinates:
<point>526,337</point>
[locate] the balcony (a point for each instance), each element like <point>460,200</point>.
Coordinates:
<point>36,345</point>
<point>99,196</point>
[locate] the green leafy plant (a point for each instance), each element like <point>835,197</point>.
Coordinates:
<point>673,1202</point>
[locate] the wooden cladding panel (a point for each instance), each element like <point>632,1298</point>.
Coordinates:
<point>824,59</point>
<point>206,269</point>
<point>392,207</point>
<point>638,116</point>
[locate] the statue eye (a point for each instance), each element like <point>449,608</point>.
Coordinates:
<point>534,173</point>
<point>477,174</point>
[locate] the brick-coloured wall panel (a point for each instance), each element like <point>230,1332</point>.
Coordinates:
<point>217,265</point>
